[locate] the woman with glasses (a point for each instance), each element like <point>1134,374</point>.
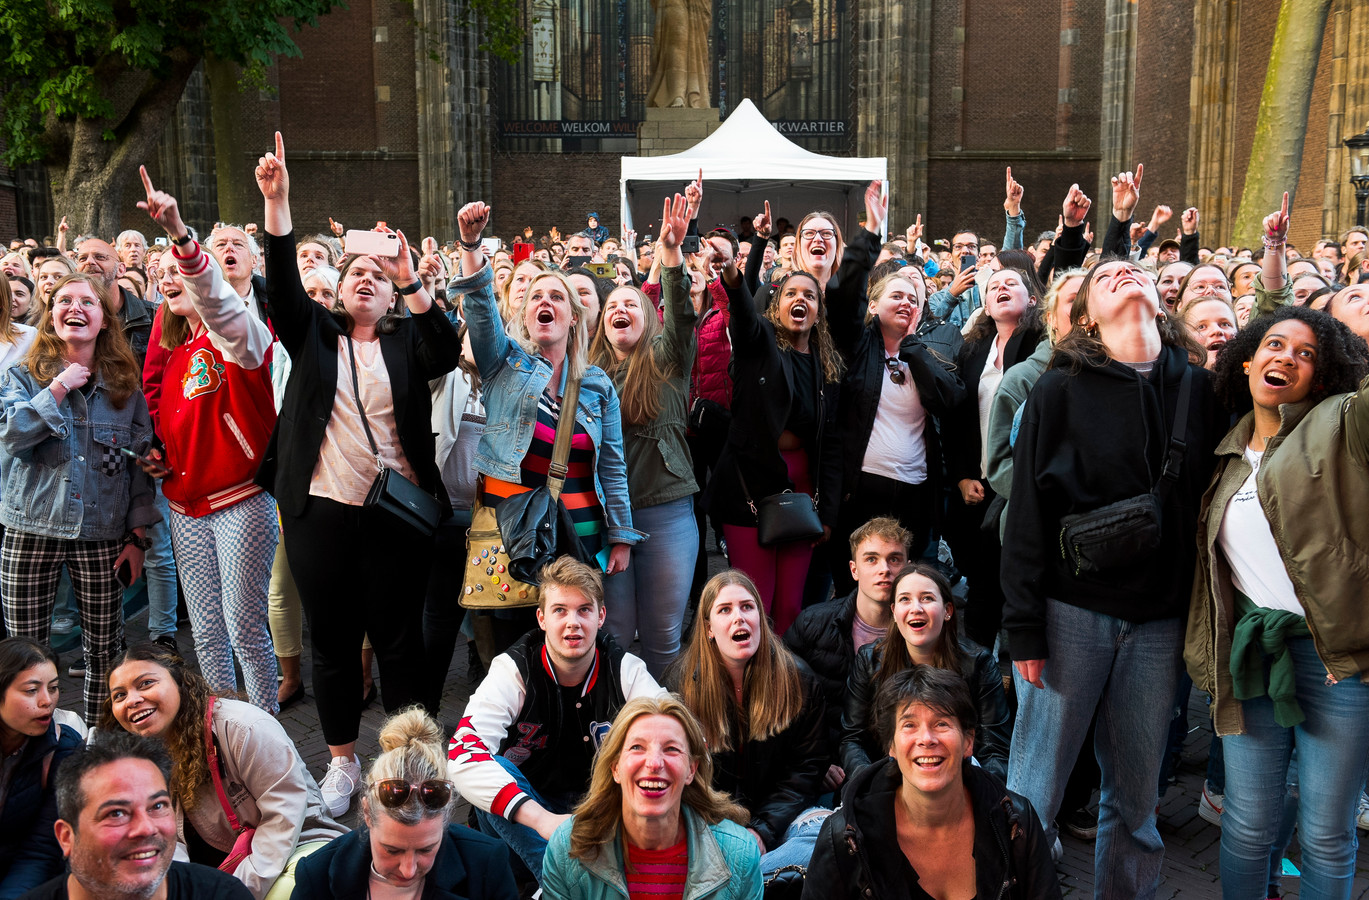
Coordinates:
<point>409,846</point>
<point>894,385</point>
<point>234,769</point>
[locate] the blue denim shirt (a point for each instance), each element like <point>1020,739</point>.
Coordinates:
<point>63,471</point>
<point>511,381</point>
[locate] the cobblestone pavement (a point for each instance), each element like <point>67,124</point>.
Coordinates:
<point>1192,845</point>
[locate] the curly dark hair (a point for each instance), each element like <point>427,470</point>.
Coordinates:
<point>1342,357</point>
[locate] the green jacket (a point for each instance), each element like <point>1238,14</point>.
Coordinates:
<point>659,467</point>
<point>1314,488</point>
<point>1007,400</point>
<point>724,864</point>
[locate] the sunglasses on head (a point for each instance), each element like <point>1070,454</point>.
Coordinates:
<point>896,373</point>
<point>395,792</point>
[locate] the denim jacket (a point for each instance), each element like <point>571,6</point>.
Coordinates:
<point>511,381</point>
<point>64,473</point>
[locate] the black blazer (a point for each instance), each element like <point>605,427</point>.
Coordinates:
<point>468,865</point>
<point>420,349</point>
<point>762,390</point>
<point>961,432</point>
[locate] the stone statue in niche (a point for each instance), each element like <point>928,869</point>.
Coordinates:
<point>679,54</point>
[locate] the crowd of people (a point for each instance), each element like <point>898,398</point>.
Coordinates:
<point>1147,461</point>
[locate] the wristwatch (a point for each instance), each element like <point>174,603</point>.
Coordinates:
<point>183,240</point>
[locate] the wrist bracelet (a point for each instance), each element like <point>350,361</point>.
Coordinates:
<point>59,380</point>
<point>1272,242</point>
<point>412,288</point>
<point>469,245</point>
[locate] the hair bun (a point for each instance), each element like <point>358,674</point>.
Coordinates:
<point>410,726</point>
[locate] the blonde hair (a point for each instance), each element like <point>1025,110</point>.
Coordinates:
<point>1048,303</point>
<point>772,690</point>
<point>114,360</point>
<point>568,573</point>
<point>877,288</point>
<point>599,817</point>
<point>577,339</point>
<point>639,376</point>
<point>7,330</point>
<point>411,749</point>
<point>506,309</point>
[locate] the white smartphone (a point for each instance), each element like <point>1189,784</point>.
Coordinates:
<point>371,243</point>
<point>490,245</point>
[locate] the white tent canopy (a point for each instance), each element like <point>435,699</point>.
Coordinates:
<point>746,162</point>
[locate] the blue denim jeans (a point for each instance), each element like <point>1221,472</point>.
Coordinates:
<point>797,842</point>
<point>159,568</point>
<point>1127,672</point>
<point>1332,744</point>
<point>527,843</point>
<point>649,599</point>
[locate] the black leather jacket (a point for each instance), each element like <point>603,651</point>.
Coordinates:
<point>860,745</point>
<point>857,855</point>
<point>781,776</point>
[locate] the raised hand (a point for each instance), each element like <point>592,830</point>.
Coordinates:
<point>674,223</point>
<point>1088,233</point>
<point>1276,223</point>
<point>272,177</point>
<point>335,227</point>
<point>1138,231</point>
<point>1161,215</point>
<point>764,223</point>
<point>472,219</point>
<point>1012,203</point>
<point>876,208</point>
<point>1076,207</point>
<point>914,233</point>
<point>694,194</point>
<point>429,270</point>
<point>399,268</point>
<point>161,206</point>
<point>62,226</point>
<point>1188,222</point>
<point>1126,192</point>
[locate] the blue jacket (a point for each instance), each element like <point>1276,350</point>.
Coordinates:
<point>724,864</point>
<point>468,865</point>
<point>512,378</point>
<point>29,852</point>
<point>64,474</point>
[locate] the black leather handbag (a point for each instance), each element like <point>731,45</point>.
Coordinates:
<point>391,491</point>
<point>1119,534</point>
<point>784,517</point>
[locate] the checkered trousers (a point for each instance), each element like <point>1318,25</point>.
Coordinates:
<point>30,566</point>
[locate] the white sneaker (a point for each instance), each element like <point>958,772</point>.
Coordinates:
<point>340,783</point>
<point>1362,817</point>
<point>1210,805</point>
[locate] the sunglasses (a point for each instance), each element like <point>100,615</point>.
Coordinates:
<point>395,792</point>
<point>896,373</point>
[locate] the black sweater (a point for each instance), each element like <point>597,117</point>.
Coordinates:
<point>1086,440</point>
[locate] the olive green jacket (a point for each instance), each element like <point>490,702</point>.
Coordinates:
<point>1314,488</point>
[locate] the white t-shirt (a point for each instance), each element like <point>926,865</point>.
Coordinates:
<point>897,449</point>
<point>1257,567</point>
<point>989,380</point>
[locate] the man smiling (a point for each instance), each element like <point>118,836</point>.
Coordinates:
<point>543,709</point>
<point>117,829</point>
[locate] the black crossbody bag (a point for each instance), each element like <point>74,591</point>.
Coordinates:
<point>1114,536</point>
<point>391,491</point>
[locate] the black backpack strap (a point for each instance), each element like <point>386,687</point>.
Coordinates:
<point>1174,458</point>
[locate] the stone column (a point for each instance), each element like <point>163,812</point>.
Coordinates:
<point>1212,111</point>
<point>1118,99</point>
<point>1349,113</point>
<point>454,144</point>
<point>893,63</point>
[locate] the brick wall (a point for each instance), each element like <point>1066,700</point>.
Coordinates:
<point>1161,121</point>
<point>542,190</point>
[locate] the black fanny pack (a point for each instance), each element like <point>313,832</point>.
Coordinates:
<point>1123,533</point>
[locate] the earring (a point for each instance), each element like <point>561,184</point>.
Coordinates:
<point>1091,329</point>
<point>1246,366</point>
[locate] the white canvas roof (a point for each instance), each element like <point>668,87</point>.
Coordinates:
<point>745,162</point>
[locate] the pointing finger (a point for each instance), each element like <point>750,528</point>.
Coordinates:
<point>280,147</point>
<point>147,182</point>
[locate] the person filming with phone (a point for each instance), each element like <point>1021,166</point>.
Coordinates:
<point>357,403</point>
<point>71,497</point>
